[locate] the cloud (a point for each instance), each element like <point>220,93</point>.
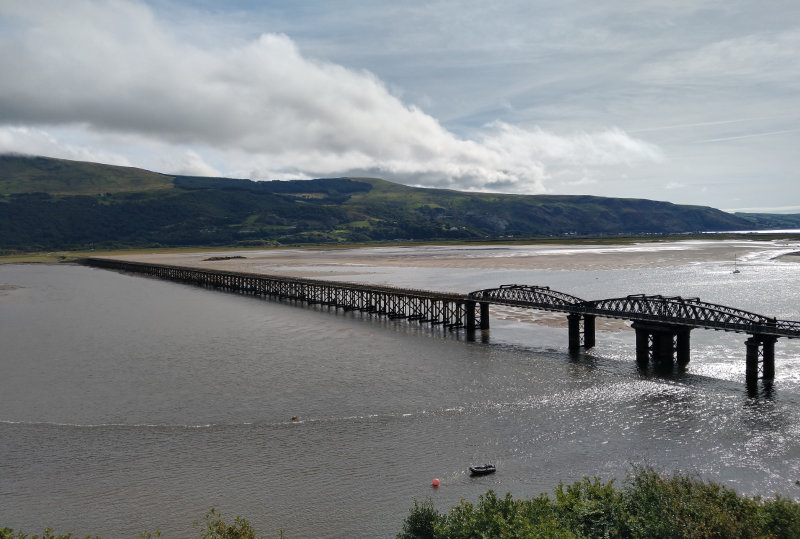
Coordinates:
<point>114,69</point>
<point>753,59</point>
<point>765,209</point>
<point>35,141</point>
<point>750,135</point>
<point>188,163</point>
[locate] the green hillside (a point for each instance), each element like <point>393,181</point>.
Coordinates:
<point>48,204</point>
<point>772,220</point>
<point>20,174</point>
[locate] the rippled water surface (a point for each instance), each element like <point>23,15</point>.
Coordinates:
<point>130,404</point>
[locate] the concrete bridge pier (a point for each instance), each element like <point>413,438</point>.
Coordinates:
<point>661,343</point>
<point>574,325</point>
<point>760,349</point>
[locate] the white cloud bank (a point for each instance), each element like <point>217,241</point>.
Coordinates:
<point>85,79</point>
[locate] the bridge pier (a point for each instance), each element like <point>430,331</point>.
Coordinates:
<point>661,343</point>
<point>469,306</point>
<point>760,349</point>
<point>588,330</point>
<point>682,347</point>
<point>662,324</point>
<point>574,327</point>
<point>477,314</point>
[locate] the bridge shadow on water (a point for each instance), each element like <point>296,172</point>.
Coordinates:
<point>661,324</point>
<point>754,390</point>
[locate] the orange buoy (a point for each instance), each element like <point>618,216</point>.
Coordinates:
<point>435,482</point>
<point>294,418</point>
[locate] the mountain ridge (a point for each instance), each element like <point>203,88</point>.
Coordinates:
<point>48,203</point>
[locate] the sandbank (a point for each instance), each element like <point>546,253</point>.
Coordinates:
<point>342,262</point>
<point>350,264</point>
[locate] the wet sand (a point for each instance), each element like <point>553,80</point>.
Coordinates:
<point>348,264</point>
<point>343,262</point>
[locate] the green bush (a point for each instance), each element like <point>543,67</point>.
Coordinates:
<point>421,522</point>
<point>648,505</point>
<point>8,533</point>
<point>684,506</point>
<point>502,517</point>
<point>212,528</point>
<point>215,528</point>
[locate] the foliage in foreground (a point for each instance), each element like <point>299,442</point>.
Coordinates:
<point>213,528</point>
<point>648,505</point>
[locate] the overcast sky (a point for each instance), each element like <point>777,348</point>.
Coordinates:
<point>689,101</point>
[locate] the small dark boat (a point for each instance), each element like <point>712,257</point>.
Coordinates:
<point>482,470</point>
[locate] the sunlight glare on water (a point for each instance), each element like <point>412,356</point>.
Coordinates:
<point>130,404</point>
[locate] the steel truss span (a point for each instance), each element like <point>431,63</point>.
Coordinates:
<point>535,297</point>
<point>643,308</point>
<point>662,324</point>
<point>692,312</point>
<point>434,308</point>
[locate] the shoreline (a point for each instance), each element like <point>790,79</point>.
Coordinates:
<point>353,264</point>
<point>359,260</point>
<point>343,262</point>
<point>223,254</point>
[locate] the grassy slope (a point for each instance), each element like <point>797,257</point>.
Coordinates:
<point>541,214</point>
<point>771,220</point>
<point>51,204</point>
<point>20,174</point>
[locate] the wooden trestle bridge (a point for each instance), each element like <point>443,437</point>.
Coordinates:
<point>662,324</point>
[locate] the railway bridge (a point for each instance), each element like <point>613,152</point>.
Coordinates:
<point>662,324</point>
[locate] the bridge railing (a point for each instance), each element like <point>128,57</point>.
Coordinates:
<point>120,264</point>
<point>674,310</point>
<point>541,297</point>
<point>691,312</point>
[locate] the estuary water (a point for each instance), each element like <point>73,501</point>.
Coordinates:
<point>130,404</point>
